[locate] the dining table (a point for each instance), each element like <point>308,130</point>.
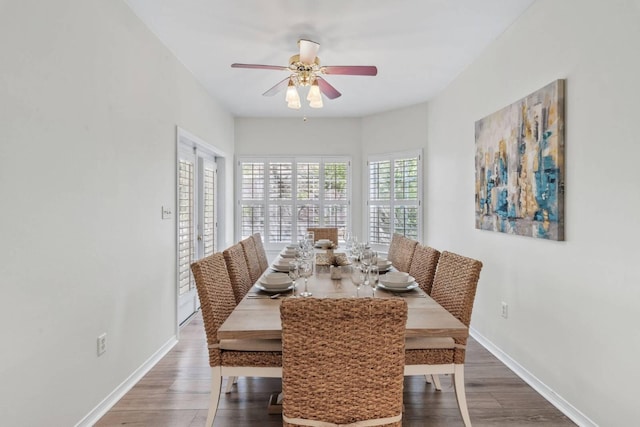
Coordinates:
<point>258,314</point>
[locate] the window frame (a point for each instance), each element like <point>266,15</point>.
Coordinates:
<point>321,202</point>
<point>392,202</point>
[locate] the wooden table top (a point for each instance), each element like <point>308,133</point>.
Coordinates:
<point>260,317</point>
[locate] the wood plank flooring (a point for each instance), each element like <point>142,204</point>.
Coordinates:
<point>175,393</point>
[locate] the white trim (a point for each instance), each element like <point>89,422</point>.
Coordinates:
<point>545,391</point>
<point>107,403</point>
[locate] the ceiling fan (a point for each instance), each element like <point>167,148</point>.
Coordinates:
<point>305,70</point>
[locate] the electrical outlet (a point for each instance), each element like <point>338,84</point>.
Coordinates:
<point>504,310</point>
<point>102,344</point>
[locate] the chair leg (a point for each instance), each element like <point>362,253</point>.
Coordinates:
<point>428,378</point>
<point>216,385</point>
<point>458,384</point>
<point>436,382</point>
<point>230,382</point>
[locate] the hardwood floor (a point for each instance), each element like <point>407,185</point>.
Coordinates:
<point>176,393</point>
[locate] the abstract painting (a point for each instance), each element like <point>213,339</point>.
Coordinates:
<point>520,166</point>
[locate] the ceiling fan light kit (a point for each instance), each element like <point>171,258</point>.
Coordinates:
<point>305,70</point>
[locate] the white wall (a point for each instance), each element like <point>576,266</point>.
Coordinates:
<point>317,137</point>
<point>572,305</point>
<point>89,103</point>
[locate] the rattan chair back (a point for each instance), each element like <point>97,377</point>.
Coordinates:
<point>251,258</point>
<point>401,251</point>
<point>330,233</point>
<point>343,359</point>
<point>216,298</point>
<point>423,266</point>
<point>455,284</point>
<point>238,271</point>
<point>262,254</point>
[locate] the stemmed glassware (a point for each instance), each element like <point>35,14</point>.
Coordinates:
<point>374,276</point>
<point>306,270</point>
<point>294,274</point>
<point>358,278</point>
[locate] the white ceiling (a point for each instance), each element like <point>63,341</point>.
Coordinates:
<point>419,46</point>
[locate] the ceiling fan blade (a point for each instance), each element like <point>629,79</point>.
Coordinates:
<point>258,66</point>
<point>308,51</point>
<point>328,90</point>
<point>277,88</point>
<point>353,70</point>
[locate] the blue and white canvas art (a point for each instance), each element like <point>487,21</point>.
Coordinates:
<point>520,166</point>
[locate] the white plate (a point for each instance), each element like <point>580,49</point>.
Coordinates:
<point>389,284</point>
<point>287,255</point>
<point>281,268</point>
<point>274,290</point>
<point>275,280</point>
<point>410,287</point>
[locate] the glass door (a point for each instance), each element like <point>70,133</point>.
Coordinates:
<point>197,224</point>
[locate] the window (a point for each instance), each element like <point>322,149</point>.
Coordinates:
<point>280,198</point>
<point>395,189</point>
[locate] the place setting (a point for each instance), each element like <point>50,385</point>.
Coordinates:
<point>398,283</point>
<point>325,244</point>
<point>281,265</point>
<point>273,283</point>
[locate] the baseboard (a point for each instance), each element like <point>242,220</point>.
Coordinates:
<point>554,398</point>
<point>98,412</point>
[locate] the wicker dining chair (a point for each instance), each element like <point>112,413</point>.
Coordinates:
<point>343,361</point>
<point>238,271</point>
<point>251,259</point>
<point>330,233</point>
<point>247,357</point>
<point>454,288</point>
<point>262,254</point>
<point>423,266</point>
<point>401,251</point>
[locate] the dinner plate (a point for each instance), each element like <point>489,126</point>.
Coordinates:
<point>274,290</point>
<point>287,255</point>
<point>411,287</point>
<point>275,280</point>
<point>389,284</point>
<point>281,268</point>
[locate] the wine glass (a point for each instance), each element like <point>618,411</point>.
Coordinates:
<point>366,258</point>
<point>358,278</point>
<point>306,270</point>
<point>294,273</point>
<point>374,276</point>
<point>310,237</point>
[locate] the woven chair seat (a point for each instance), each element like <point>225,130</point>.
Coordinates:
<point>436,356</point>
<point>251,358</point>
<point>251,345</point>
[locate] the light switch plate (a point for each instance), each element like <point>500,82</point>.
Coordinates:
<point>167,213</point>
